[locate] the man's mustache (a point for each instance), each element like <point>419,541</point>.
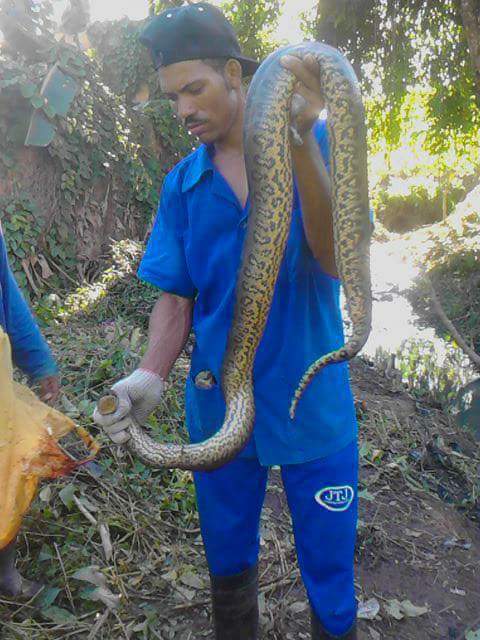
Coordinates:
<point>192,122</point>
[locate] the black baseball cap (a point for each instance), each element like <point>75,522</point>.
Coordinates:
<point>193,32</point>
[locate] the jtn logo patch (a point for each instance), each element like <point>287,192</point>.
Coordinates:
<point>335,498</point>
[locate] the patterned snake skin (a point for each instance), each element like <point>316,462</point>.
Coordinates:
<point>267,134</point>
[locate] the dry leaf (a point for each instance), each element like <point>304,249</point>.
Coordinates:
<point>170,576</point>
<point>298,607</point>
<point>368,610</point>
<point>102,593</point>
<point>411,610</point>
<point>45,493</point>
<point>192,580</point>
<point>92,575</point>
<point>46,271</point>
<point>111,600</point>
<point>188,594</point>
<point>399,610</point>
<point>394,610</point>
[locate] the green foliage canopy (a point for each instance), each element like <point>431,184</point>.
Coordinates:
<point>396,45</point>
<point>254,22</point>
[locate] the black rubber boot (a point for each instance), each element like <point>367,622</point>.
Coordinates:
<point>235,605</point>
<point>319,633</point>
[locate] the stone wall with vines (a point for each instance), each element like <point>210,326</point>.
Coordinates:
<point>99,177</point>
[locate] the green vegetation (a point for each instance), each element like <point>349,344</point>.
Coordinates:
<point>118,544</point>
<point>397,46</point>
<point>105,163</point>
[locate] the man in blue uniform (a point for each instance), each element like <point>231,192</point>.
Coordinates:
<point>193,255</point>
<point>32,355</point>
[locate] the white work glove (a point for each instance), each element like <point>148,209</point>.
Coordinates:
<point>138,394</point>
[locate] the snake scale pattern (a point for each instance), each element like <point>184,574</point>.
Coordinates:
<point>267,135</point>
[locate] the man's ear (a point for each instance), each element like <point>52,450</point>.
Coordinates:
<point>233,73</point>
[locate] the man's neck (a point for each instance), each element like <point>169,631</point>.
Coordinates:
<point>229,160</point>
<point>232,144</point>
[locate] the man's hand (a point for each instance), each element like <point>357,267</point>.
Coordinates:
<point>138,395</point>
<point>307,102</point>
<point>49,389</point>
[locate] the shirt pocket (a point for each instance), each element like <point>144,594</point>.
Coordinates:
<point>205,406</point>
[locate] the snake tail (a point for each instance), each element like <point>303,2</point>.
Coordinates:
<point>351,215</point>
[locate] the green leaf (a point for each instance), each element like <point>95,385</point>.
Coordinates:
<point>467,404</point>
<point>7,160</point>
<point>58,615</point>
<point>366,495</point>
<point>41,131</point>
<point>45,554</point>
<point>28,89</point>
<point>66,495</point>
<point>49,111</point>
<point>47,597</point>
<point>473,635</point>
<point>37,101</point>
<point>59,90</point>
<point>103,594</point>
<point>86,594</point>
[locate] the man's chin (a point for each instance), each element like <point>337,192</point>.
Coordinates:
<point>207,138</point>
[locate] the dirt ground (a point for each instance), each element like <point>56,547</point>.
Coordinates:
<point>412,544</point>
<point>418,540</point>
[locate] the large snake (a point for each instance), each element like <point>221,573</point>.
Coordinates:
<point>267,139</point>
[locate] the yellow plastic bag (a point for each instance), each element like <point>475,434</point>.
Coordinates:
<point>29,431</point>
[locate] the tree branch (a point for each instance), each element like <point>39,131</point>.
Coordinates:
<point>474,357</point>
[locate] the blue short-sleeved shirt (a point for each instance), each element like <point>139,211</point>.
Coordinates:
<point>29,349</point>
<point>195,251</point>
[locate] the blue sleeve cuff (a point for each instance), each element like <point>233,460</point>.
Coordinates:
<point>47,368</point>
<point>165,283</point>
<point>30,350</point>
<point>33,356</point>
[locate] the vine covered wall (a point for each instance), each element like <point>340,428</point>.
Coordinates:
<point>85,141</point>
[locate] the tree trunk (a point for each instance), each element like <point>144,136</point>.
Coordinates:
<point>470,11</point>
<point>336,18</point>
<point>328,16</point>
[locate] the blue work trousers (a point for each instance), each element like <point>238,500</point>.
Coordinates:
<point>322,498</point>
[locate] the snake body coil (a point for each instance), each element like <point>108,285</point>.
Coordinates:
<point>269,170</point>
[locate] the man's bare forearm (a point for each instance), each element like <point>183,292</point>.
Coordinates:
<point>315,197</point>
<point>169,328</point>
